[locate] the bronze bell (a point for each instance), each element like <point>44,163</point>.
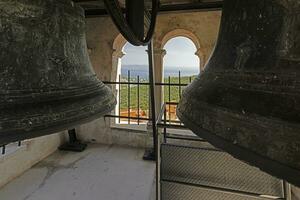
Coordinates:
<point>47,83</point>
<point>247,101</point>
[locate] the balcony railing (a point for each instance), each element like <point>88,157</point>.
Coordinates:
<point>134,102</point>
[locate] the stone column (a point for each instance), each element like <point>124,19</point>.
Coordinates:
<point>116,70</point>
<point>158,71</point>
<point>202,57</point>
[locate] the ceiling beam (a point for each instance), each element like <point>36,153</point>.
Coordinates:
<point>200,6</point>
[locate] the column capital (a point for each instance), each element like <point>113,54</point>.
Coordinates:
<point>200,52</point>
<point>162,52</point>
<point>118,54</point>
<point>159,52</point>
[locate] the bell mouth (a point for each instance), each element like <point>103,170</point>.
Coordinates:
<point>50,117</point>
<point>189,113</point>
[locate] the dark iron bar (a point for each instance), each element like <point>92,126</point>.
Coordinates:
<point>230,191</point>
<point>126,117</point>
<point>19,143</point>
<point>179,89</point>
<point>171,103</point>
<point>128,108</point>
<point>3,149</point>
<point>169,98</point>
<point>138,98</point>
<point>171,126</point>
<point>179,83</point>
<point>165,125</point>
<point>143,83</point>
<point>184,138</point>
<point>152,98</point>
<point>119,98</point>
<point>149,101</point>
<point>174,121</point>
<point>124,83</point>
<point>153,113</point>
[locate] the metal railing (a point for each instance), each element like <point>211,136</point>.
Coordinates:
<point>186,180</point>
<point>165,124</point>
<point>134,99</point>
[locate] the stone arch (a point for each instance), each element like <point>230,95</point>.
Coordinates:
<point>190,35</point>
<point>118,46</point>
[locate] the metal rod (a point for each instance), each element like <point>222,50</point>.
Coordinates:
<point>143,83</point>
<point>165,123</point>
<point>179,89</point>
<point>119,98</point>
<point>179,83</point>
<point>128,97</point>
<point>126,117</point>
<point>172,126</point>
<point>138,98</point>
<point>185,138</point>
<point>172,103</point>
<point>149,102</point>
<point>152,94</point>
<point>229,191</point>
<point>169,112</point>
<point>153,113</point>
<point>286,190</point>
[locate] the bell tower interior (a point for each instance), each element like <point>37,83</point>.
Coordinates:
<point>149,100</point>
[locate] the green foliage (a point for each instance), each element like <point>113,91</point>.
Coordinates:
<point>173,95</point>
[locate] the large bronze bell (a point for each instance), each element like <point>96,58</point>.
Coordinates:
<point>247,101</point>
<point>47,83</point>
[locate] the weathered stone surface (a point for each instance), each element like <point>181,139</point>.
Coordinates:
<point>47,83</point>
<point>247,100</point>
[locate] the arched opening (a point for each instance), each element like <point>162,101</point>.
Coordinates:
<point>180,66</point>
<point>132,92</point>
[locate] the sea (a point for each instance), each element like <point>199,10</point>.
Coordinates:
<point>172,71</point>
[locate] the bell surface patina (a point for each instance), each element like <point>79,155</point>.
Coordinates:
<point>47,83</point>
<point>247,101</point>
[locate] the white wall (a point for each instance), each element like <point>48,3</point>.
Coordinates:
<point>31,152</point>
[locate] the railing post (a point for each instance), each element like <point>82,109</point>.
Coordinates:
<point>179,82</point>
<point>153,154</point>
<point>119,98</point>
<point>153,116</point>
<point>138,98</point>
<point>169,113</point>
<point>128,97</point>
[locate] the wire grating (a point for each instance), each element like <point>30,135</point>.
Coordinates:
<point>175,191</point>
<point>214,168</point>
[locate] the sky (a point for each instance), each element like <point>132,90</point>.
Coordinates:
<point>180,53</point>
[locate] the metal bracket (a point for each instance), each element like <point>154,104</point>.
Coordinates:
<point>74,144</point>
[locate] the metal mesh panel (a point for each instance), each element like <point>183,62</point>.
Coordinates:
<point>174,191</point>
<point>216,169</point>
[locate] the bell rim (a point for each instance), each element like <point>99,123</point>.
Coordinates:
<point>99,106</point>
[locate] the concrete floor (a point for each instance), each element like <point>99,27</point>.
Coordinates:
<point>99,173</point>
